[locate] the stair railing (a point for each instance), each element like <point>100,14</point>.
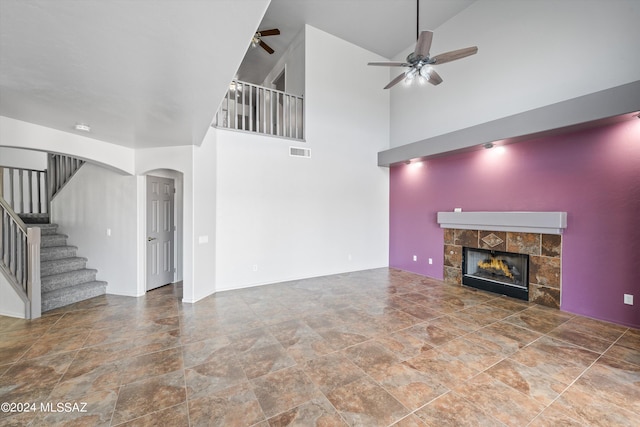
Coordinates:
<point>20,258</point>
<point>25,190</point>
<point>60,169</point>
<point>259,109</point>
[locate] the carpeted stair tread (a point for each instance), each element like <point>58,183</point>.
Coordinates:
<point>48,240</point>
<point>35,218</point>
<point>64,277</point>
<point>57,252</point>
<point>46,229</point>
<point>57,266</point>
<point>70,295</point>
<point>68,279</point>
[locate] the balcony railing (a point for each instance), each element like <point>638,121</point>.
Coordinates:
<point>253,108</point>
<point>25,190</point>
<point>29,191</point>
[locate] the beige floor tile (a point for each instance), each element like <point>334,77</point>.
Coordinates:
<point>376,347</point>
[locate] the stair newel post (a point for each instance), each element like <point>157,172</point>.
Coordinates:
<point>33,274</point>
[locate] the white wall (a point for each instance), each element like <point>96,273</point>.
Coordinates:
<point>281,218</point>
<point>10,303</point>
<point>530,54</point>
<point>27,159</point>
<point>94,200</point>
<point>293,61</point>
<point>204,261</point>
<point>19,134</point>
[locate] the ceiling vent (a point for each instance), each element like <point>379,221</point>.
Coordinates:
<point>299,152</point>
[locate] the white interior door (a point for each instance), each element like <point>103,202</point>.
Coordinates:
<point>160,231</point>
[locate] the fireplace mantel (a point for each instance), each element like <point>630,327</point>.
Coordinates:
<point>525,222</point>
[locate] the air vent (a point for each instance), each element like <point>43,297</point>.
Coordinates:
<point>299,152</point>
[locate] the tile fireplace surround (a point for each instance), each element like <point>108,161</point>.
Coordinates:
<point>544,250</point>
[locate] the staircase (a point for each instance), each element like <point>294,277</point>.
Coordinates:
<point>63,275</point>
<point>44,271</point>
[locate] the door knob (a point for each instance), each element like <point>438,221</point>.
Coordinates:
<point>150,239</point>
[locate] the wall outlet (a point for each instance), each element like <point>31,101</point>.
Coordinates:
<point>255,267</point>
<point>430,260</point>
<point>628,299</point>
<point>108,232</point>
<point>415,257</point>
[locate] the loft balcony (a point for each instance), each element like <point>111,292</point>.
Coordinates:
<point>251,108</point>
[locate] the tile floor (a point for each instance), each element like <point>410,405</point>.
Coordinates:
<point>374,348</point>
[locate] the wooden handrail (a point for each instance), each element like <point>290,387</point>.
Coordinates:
<point>20,258</point>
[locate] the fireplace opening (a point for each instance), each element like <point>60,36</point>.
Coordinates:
<point>504,273</point>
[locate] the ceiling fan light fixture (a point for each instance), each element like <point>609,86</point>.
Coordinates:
<point>410,74</point>
<point>425,72</point>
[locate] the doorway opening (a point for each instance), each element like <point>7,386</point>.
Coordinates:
<point>279,81</point>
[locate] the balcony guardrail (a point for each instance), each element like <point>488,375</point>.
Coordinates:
<point>25,190</point>
<point>253,108</point>
<point>61,169</point>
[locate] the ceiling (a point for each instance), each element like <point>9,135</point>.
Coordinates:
<point>150,73</point>
<point>385,27</point>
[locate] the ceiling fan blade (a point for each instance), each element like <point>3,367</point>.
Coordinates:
<point>423,44</point>
<point>434,78</point>
<point>389,64</point>
<point>266,47</point>
<point>273,32</point>
<point>395,81</point>
<point>454,54</point>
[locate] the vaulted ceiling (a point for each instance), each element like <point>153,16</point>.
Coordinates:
<point>150,73</point>
<point>380,26</point>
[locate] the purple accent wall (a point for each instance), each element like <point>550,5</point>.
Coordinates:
<point>593,175</point>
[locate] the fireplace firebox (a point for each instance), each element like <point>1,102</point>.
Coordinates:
<point>504,273</point>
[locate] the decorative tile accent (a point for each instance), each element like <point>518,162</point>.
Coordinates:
<point>449,236</point>
<point>452,275</point>
<point>491,240</point>
<point>468,238</point>
<point>453,255</point>
<point>543,295</point>
<point>551,245</point>
<point>544,271</point>
<point>523,243</point>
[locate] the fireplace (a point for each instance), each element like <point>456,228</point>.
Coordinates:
<point>505,273</point>
<point>538,235</point>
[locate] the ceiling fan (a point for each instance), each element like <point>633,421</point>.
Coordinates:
<point>257,39</point>
<point>420,63</point>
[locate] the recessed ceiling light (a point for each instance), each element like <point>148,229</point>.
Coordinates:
<point>82,127</point>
